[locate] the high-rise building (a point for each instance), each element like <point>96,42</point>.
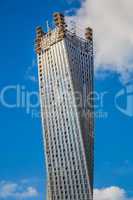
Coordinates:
<point>65,66</point>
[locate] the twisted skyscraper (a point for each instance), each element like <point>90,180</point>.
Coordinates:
<point>65,66</point>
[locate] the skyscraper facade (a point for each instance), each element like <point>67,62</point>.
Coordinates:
<point>65,66</point>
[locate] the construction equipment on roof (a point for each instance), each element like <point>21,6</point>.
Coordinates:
<point>39,34</point>
<point>88,34</point>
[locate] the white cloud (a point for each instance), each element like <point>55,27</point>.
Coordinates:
<point>29,192</point>
<point>16,191</point>
<point>110,193</point>
<point>111,21</point>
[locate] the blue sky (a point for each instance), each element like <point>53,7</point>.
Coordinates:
<point>21,146</point>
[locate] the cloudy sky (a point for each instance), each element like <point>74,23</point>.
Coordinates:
<point>22,161</point>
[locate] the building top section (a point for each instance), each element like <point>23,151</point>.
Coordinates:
<point>59,20</point>
<point>59,32</point>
